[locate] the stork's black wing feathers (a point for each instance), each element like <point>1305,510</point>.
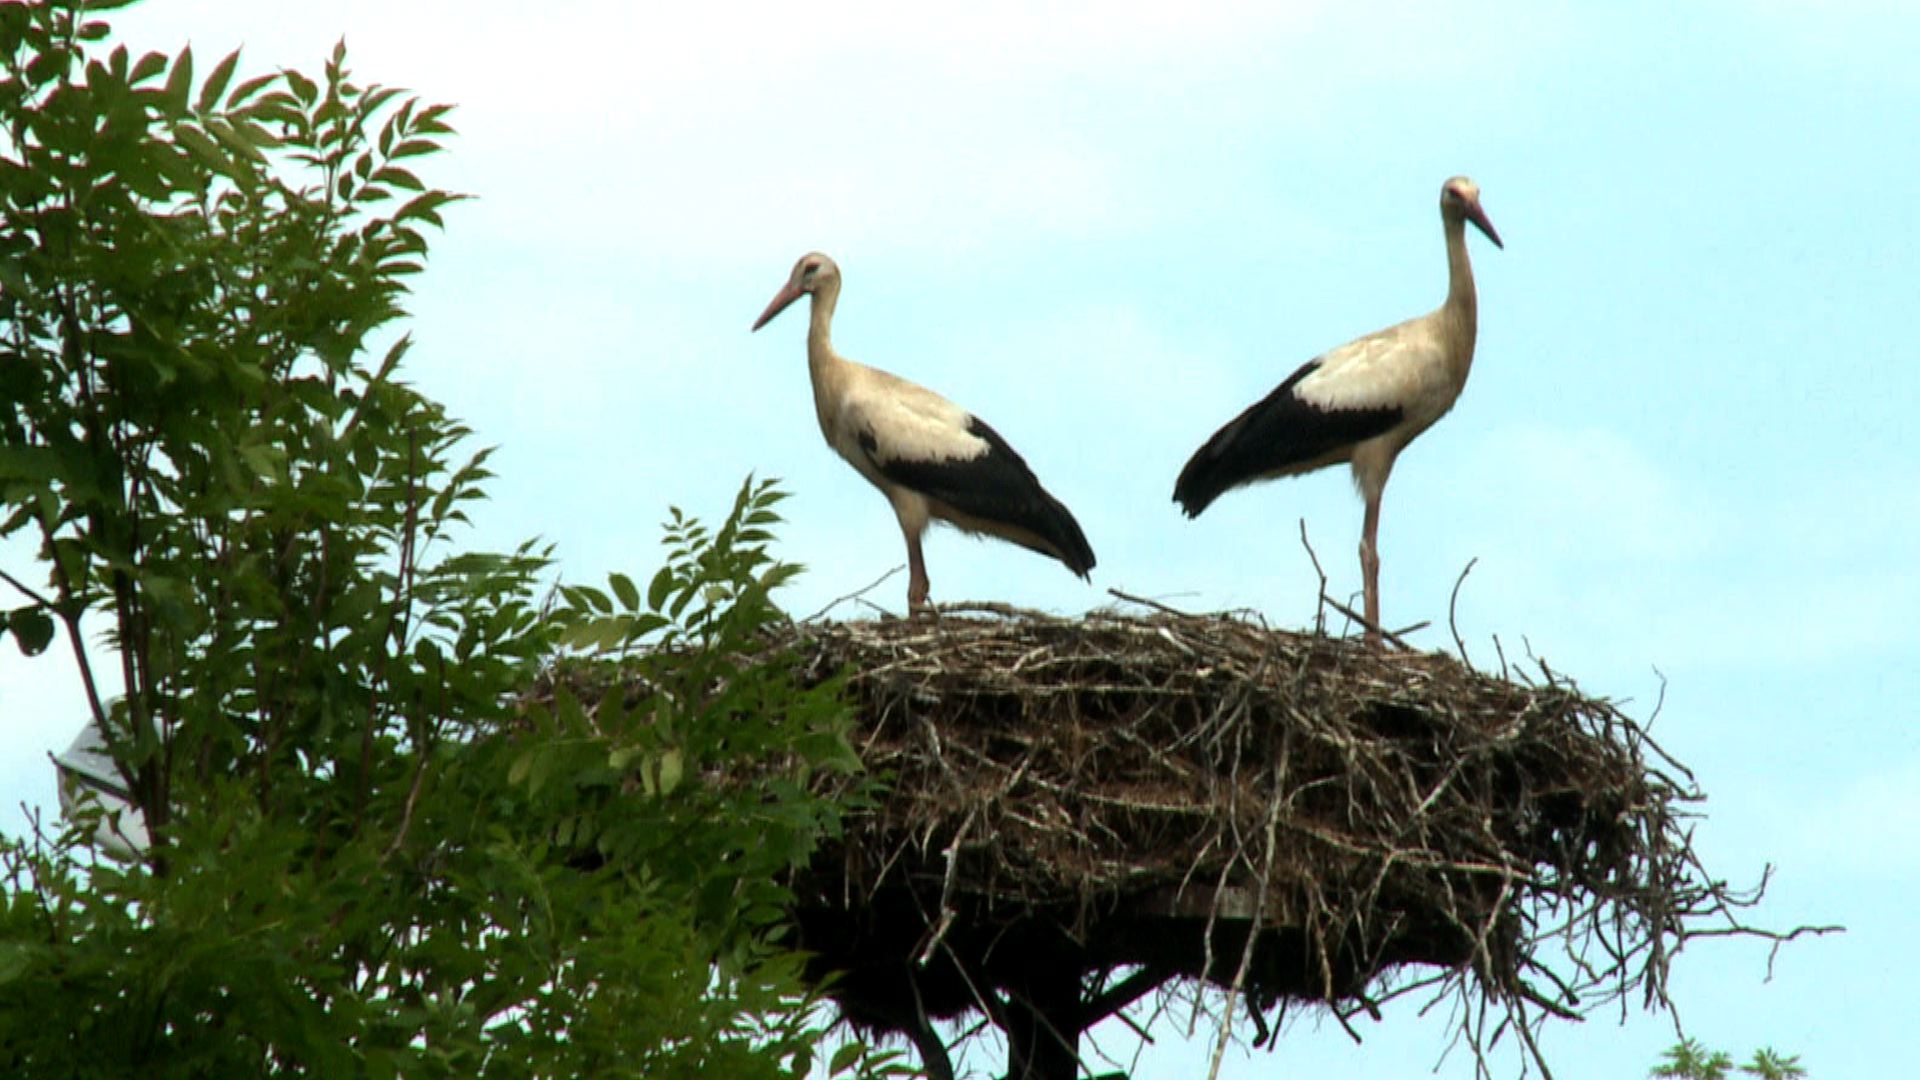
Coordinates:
<point>996,488</point>
<point>1278,432</point>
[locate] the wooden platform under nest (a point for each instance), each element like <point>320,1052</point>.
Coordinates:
<point>1079,810</point>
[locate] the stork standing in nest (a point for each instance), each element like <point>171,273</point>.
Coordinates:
<point>933,460</point>
<point>1361,403</point>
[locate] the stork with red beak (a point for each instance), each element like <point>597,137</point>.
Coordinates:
<point>1361,403</point>
<point>933,460</point>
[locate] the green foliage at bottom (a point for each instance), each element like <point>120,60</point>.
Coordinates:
<point>372,852</point>
<point>575,889</point>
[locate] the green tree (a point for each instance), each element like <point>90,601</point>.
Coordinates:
<point>1689,1060</point>
<point>375,850</point>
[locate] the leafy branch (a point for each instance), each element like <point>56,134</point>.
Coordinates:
<point>374,849</point>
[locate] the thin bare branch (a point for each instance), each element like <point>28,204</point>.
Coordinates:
<point>26,590</point>
<point>1453,604</point>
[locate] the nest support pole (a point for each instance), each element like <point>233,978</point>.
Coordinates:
<point>1042,1017</point>
<point>934,1059</point>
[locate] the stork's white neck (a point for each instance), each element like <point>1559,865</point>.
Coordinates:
<point>826,369</point>
<point>820,354</point>
<point>1460,313</point>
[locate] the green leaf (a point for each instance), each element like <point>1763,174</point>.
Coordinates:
<point>661,586</point>
<point>672,767</point>
<point>180,81</point>
<point>377,99</point>
<point>201,146</point>
<point>32,629</point>
<point>407,148</point>
<point>216,83</point>
<point>278,107</point>
<point>147,67</point>
<point>246,90</point>
<point>266,461</point>
<point>643,624</point>
<point>303,88</point>
<point>232,139</point>
<point>429,121</point>
<point>426,207</point>
<point>624,591</point>
<point>37,464</point>
<point>398,177</point>
<point>12,279</point>
<point>257,138</point>
<point>845,1058</point>
<point>15,959</point>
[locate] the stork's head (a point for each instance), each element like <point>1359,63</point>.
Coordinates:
<point>1460,200</point>
<point>813,273</point>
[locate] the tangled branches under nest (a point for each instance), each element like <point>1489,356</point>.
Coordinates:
<point>1124,797</point>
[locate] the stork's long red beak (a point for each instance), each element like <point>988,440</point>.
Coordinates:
<point>1480,221</point>
<point>788,294</point>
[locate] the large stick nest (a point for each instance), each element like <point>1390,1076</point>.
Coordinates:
<point>1126,796</point>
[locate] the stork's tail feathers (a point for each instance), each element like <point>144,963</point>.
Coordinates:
<point>1062,533</point>
<point>994,494</point>
<point>1224,462</point>
<point>1238,452</point>
<point>1202,481</point>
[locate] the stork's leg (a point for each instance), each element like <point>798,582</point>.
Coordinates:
<point>1370,566</point>
<point>917,585</point>
<point>911,510</point>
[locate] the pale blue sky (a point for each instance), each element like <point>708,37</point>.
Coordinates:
<point>1687,443</point>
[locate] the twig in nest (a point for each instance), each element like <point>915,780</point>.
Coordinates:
<point>1254,923</point>
<point>1145,602</point>
<point>986,607</point>
<point>1367,624</point>
<point>1319,612</point>
<point>946,892</point>
<point>1659,703</point>
<point>857,594</point>
<point>1453,603</point>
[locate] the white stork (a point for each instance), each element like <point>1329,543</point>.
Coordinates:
<point>1362,402</point>
<point>932,459</point>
